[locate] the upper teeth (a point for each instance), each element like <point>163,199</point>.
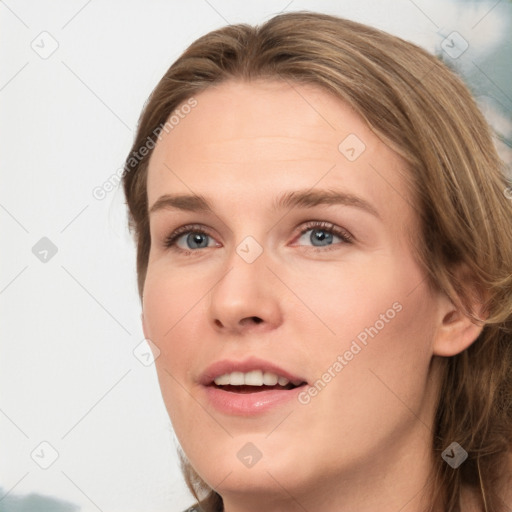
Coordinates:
<point>253,378</point>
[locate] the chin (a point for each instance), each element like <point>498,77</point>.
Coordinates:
<point>253,464</point>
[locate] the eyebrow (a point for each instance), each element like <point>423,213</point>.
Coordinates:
<point>295,199</point>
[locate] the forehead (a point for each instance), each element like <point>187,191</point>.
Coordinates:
<point>245,143</point>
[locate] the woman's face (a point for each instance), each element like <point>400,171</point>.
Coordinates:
<point>292,260</point>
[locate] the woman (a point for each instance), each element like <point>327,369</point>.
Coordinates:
<point>340,337</point>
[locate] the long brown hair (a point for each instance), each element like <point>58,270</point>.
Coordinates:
<point>421,109</point>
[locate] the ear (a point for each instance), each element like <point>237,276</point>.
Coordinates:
<point>455,330</point>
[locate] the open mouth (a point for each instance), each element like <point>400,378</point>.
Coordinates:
<point>243,389</point>
<point>254,381</point>
<point>256,389</point>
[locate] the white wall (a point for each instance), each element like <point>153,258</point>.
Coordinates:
<point>68,375</point>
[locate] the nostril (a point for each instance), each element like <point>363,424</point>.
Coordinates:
<point>250,320</point>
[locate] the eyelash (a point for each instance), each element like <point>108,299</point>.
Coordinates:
<point>346,237</point>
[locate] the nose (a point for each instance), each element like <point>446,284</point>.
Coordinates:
<point>246,298</point>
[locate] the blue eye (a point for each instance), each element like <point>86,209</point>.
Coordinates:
<point>195,237</point>
<point>323,234</point>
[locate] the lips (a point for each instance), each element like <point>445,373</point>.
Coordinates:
<point>249,387</point>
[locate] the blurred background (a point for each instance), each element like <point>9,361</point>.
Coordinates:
<point>82,423</point>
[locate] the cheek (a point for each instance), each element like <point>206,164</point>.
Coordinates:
<point>171,303</point>
<point>366,292</point>
<point>384,324</point>
<point>377,317</point>
<point>169,295</point>
<point>377,361</point>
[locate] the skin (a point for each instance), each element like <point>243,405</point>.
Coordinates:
<point>363,443</point>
